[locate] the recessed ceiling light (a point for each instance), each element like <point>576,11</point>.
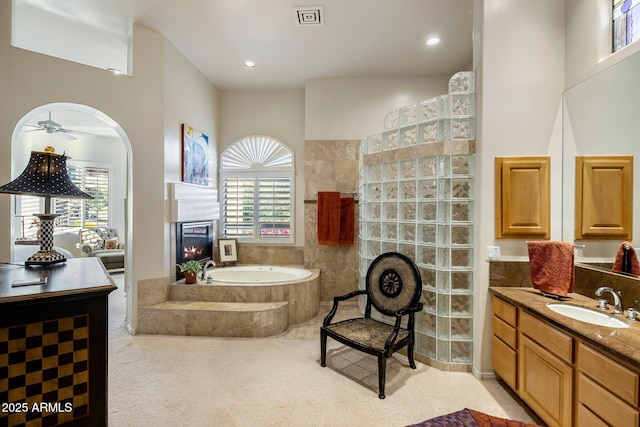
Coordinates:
<point>114,71</point>
<point>249,64</point>
<point>433,41</point>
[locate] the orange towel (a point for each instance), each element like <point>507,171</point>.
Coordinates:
<point>634,264</point>
<point>328,221</point>
<point>346,221</point>
<point>551,266</point>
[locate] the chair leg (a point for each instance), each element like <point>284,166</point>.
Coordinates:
<point>323,348</point>
<point>412,363</point>
<point>382,374</point>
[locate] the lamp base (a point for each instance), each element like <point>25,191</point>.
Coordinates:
<point>45,257</point>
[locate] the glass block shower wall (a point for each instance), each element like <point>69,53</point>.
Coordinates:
<point>416,198</point>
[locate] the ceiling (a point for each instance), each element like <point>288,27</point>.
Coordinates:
<point>357,38</point>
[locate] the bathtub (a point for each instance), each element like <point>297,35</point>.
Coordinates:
<point>297,287</point>
<point>256,275</point>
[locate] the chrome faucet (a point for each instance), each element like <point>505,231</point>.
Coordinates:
<point>205,267</point>
<point>617,303</point>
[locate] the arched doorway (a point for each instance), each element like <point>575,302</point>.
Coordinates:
<point>93,141</point>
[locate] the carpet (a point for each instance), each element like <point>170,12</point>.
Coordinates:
<point>470,418</point>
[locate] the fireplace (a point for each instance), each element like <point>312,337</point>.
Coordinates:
<point>194,241</point>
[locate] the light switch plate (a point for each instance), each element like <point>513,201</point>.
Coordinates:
<point>493,252</point>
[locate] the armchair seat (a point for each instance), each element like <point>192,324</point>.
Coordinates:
<point>393,288</point>
<point>366,333</point>
<point>103,243</point>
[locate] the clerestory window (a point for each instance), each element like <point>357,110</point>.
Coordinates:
<point>257,186</point>
<point>626,23</point>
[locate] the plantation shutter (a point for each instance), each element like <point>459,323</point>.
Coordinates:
<point>274,201</point>
<point>238,209</point>
<point>257,189</point>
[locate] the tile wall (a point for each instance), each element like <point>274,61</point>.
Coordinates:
<point>330,165</point>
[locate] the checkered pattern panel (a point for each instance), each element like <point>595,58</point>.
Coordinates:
<point>44,372</point>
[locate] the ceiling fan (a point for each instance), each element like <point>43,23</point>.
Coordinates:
<point>52,127</point>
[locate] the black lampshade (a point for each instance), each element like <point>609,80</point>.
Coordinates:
<point>45,175</point>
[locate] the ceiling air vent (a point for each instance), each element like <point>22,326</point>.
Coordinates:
<point>309,15</point>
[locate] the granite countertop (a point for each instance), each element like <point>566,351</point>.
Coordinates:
<point>74,277</point>
<point>623,343</point>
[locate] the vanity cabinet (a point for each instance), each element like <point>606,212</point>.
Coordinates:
<point>565,379</point>
<point>607,391</point>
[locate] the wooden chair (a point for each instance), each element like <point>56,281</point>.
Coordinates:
<point>393,287</point>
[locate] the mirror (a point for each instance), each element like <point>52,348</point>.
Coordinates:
<point>601,117</point>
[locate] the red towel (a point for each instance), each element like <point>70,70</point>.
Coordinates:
<point>328,221</point>
<point>633,260</point>
<point>346,221</point>
<point>551,266</point>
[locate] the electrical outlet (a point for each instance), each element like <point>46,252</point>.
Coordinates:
<point>493,252</point>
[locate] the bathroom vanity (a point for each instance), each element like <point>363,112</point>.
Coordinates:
<point>571,373</point>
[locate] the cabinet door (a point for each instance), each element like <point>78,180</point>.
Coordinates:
<point>545,383</point>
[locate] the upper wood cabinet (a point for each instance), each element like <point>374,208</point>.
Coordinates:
<point>522,197</point>
<point>604,197</point>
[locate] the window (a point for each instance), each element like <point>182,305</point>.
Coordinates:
<point>74,213</point>
<point>626,23</point>
<point>257,191</point>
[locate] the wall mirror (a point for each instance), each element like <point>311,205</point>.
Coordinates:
<point>601,116</point>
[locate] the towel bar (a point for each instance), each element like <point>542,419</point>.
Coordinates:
<point>347,193</point>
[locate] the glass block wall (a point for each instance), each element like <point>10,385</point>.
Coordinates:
<point>416,198</point>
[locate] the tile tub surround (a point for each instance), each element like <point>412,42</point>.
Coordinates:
<point>269,255</point>
<point>217,309</point>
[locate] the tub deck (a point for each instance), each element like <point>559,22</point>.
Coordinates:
<point>222,310</point>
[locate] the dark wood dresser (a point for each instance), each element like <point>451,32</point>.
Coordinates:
<point>53,344</point>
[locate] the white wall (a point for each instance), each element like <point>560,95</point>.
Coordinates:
<point>355,108</point>
<point>136,103</point>
<point>519,55</point>
<point>589,39</point>
<point>278,114</point>
<point>192,100</point>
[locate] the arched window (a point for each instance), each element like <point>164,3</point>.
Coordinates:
<point>257,187</point>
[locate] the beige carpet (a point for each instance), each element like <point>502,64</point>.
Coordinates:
<point>194,381</point>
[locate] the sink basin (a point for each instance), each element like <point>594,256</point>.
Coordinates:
<point>586,315</point>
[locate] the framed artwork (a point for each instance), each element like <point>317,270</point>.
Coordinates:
<point>228,250</point>
<point>195,156</point>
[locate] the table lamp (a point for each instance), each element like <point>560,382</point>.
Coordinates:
<point>46,175</point>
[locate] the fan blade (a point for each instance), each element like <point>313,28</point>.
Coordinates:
<point>65,135</point>
<point>77,132</point>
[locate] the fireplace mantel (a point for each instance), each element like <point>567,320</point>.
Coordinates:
<point>190,202</point>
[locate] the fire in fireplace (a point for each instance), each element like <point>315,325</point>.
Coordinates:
<point>194,241</point>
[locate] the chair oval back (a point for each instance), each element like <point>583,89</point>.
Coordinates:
<point>393,282</point>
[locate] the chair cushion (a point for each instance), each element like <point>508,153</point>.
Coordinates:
<point>367,332</point>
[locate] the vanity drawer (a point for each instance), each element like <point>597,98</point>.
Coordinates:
<point>504,362</point>
<point>611,409</point>
<point>551,339</point>
<point>611,375</point>
<point>504,311</point>
<point>505,332</point>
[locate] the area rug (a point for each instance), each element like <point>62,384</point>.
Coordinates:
<point>470,418</point>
